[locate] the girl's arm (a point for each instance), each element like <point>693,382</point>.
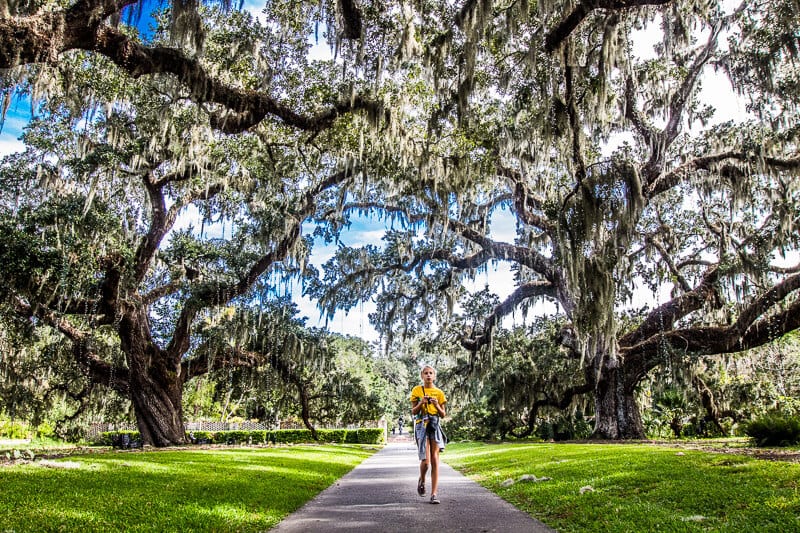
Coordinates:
<point>417,407</point>
<point>439,407</point>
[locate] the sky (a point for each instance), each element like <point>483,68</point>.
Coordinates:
<point>364,231</point>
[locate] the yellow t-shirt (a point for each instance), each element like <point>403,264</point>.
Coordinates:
<point>417,395</point>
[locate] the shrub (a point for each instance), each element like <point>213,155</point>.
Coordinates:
<point>119,439</point>
<point>370,435</point>
<point>201,437</point>
<point>545,431</point>
<point>235,437</point>
<point>291,436</point>
<point>45,430</point>
<point>13,430</point>
<point>332,435</point>
<point>131,439</point>
<point>774,429</point>
<point>457,433</point>
<point>564,427</point>
<point>102,439</point>
<point>258,436</point>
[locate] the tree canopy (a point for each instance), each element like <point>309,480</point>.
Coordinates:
<point>431,116</point>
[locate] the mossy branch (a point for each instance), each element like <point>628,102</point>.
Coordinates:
<point>561,31</point>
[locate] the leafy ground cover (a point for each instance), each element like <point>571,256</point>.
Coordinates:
<point>637,487</point>
<point>222,489</point>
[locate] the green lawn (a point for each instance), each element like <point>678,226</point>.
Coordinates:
<point>637,487</point>
<point>224,489</point>
<point>634,487</point>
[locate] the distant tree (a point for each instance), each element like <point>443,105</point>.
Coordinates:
<point>710,395</point>
<point>336,380</point>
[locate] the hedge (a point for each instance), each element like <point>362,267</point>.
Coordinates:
<point>774,429</point>
<point>132,439</point>
<point>119,439</point>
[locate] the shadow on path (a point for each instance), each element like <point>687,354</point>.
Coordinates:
<point>380,495</point>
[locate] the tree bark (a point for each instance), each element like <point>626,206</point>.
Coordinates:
<point>156,384</point>
<point>159,410</point>
<point>617,415</point>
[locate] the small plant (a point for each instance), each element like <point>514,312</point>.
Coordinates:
<point>564,427</point>
<point>13,430</point>
<point>774,429</point>
<point>45,430</point>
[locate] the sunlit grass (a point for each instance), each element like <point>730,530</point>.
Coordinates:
<point>232,489</point>
<point>630,487</point>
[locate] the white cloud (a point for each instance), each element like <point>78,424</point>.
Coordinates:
<point>364,237</point>
<point>255,8</point>
<point>15,121</point>
<point>503,226</point>
<point>716,90</point>
<point>10,146</point>
<point>355,322</point>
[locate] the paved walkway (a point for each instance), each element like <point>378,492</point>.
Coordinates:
<point>380,495</point>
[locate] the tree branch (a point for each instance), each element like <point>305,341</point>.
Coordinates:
<point>522,293</point>
<point>668,180</point>
<point>650,135</point>
<point>663,318</point>
<point>525,200</point>
<point>155,233</point>
<point>225,356</point>
<point>351,19</point>
<point>498,250</point>
<point>219,294</point>
<point>746,333</point>
<point>765,302</point>
<point>528,257</point>
<point>40,38</point>
<point>568,24</point>
<point>160,292</point>
<point>670,263</point>
<point>101,371</point>
<point>678,103</point>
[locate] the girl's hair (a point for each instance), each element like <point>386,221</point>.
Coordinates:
<point>427,366</point>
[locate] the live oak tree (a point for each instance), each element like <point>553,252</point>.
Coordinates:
<point>618,180</point>
<point>95,242</point>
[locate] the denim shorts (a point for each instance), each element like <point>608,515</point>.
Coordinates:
<point>422,435</point>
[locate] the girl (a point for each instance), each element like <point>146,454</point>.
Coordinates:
<point>427,403</point>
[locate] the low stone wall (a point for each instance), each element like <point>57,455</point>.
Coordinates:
<point>100,427</point>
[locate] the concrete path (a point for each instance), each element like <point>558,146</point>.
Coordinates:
<point>380,495</point>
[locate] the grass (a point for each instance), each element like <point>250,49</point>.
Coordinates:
<point>634,487</point>
<point>637,487</point>
<point>221,489</point>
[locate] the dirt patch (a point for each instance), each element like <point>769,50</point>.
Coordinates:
<point>733,446</point>
<point>9,458</point>
<point>790,455</point>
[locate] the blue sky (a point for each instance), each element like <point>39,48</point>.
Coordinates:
<point>18,115</point>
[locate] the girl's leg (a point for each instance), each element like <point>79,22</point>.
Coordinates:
<point>422,442</point>
<point>433,454</point>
